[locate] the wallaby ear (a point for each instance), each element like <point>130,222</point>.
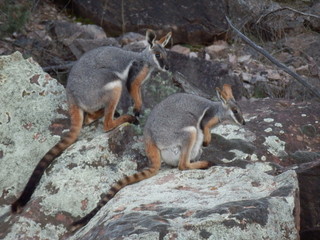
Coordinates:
<point>164,40</point>
<point>150,37</point>
<point>227,92</point>
<point>220,96</point>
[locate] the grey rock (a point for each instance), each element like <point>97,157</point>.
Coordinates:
<point>81,38</point>
<point>192,204</point>
<point>225,201</point>
<point>204,75</point>
<point>190,21</point>
<point>308,175</point>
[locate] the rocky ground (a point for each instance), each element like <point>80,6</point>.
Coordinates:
<point>282,135</point>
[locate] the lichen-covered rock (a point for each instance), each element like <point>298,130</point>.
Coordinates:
<point>234,200</point>
<point>219,203</point>
<point>32,116</point>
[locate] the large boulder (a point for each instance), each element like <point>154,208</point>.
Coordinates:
<point>218,203</point>
<point>243,196</point>
<point>190,21</point>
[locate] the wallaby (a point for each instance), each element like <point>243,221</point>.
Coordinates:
<point>175,132</point>
<point>94,88</point>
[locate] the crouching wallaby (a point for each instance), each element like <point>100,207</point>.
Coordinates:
<point>94,87</point>
<point>175,132</point>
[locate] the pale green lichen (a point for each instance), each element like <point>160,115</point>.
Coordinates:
<point>267,130</point>
<point>29,229</point>
<point>275,146</point>
<point>232,131</point>
<point>268,120</point>
<point>278,125</point>
<point>25,119</point>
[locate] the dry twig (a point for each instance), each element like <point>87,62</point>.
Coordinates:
<point>275,61</point>
<point>290,9</point>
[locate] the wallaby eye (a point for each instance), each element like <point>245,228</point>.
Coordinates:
<point>157,55</point>
<point>235,111</point>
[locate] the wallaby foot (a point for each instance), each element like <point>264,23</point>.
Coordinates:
<point>92,117</point>
<point>112,124</point>
<point>136,112</point>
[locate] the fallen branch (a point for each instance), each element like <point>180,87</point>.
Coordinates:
<point>290,9</point>
<point>275,61</point>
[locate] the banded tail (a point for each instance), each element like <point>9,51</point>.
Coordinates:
<point>76,115</point>
<point>127,180</point>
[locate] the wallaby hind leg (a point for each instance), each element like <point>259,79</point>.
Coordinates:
<point>184,161</point>
<point>114,96</point>
<point>153,154</point>
<point>92,117</point>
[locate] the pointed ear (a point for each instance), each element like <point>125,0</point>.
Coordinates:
<point>164,40</point>
<point>227,92</point>
<point>220,96</point>
<point>150,37</point>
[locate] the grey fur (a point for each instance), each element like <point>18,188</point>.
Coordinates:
<point>169,121</point>
<point>100,66</point>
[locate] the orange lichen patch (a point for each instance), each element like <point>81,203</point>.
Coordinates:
<point>84,204</point>
<point>34,79</point>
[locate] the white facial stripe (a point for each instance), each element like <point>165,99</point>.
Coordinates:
<point>233,117</point>
<point>156,61</point>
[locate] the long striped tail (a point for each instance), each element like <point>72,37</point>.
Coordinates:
<point>127,180</point>
<point>76,125</point>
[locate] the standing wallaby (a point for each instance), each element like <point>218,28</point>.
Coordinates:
<point>94,87</point>
<point>175,132</point>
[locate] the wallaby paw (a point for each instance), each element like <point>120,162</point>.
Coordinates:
<point>205,144</point>
<point>206,164</point>
<point>136,112</point>
<point>210,164</point>
<point>134,121</point>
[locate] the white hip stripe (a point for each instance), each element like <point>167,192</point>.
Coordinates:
<point>190,129</point>
<point>112,85</point>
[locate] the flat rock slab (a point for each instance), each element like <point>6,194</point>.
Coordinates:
<point>219,203</point>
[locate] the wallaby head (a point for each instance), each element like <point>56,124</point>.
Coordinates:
<point>232,110</point>
<point>157,49</point>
